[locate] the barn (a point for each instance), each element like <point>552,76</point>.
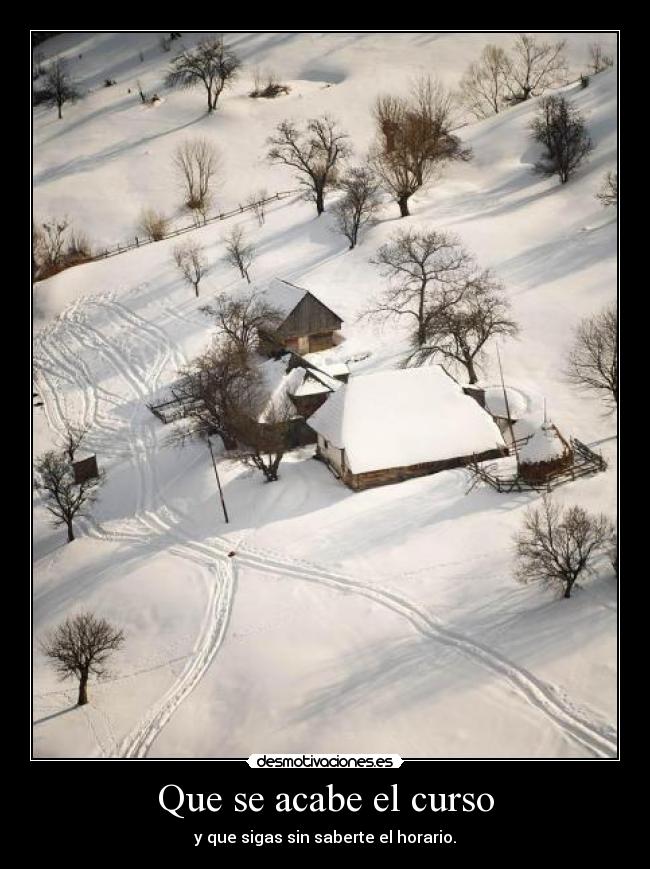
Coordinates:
<point>308,325</point>
<point>394,425</point>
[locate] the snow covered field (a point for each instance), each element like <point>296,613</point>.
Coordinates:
<point>387,620</point>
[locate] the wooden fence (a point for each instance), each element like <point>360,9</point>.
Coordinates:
<point>225,215</point>
<point>585,463</point>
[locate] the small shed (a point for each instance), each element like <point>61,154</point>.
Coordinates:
<point>308,325</point>
<point>544,454</point>
<point>293,390</point>
<point>85,469</point>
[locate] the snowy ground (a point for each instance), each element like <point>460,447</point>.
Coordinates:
<point>385,620</point>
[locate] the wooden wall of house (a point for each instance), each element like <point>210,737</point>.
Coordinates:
<point>323,341</point>
<point>308,404</point>
<point>310,317</point>
<point>386,476</point>
<point>331,454</point>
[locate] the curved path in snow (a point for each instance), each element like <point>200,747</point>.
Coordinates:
<point>57,359</point>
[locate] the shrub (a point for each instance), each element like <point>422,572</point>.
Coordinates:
<point>153,224</point>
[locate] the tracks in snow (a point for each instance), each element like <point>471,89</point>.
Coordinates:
<point>141,380</point>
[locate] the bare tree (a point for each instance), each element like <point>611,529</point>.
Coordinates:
<point>73,437</point>
<point>556,545</point>
<point>532,67</point>
<point>152,224</point>
<point>424,268</point>
<point>482,87</point>
<point>191,263</point>
<point>414,139</point>
<point>313,152</point>
<point>598,60</point>
<point>239,251</point>
<point>240,319</point>
<point>458,329</point>
<point>80,647</point>
<point>212,388</point>
<point>592,363</point>
<point>256,202</point>
<point>211,64</point>
<point>56,245</point>
<point>65,499</point>
<point>262,445</point>
<point>52,241</point>
<point>608,193</point>
<point>197,163</point>
<point>58,88</point>
<point>560,128</point>
<point>359,204</point>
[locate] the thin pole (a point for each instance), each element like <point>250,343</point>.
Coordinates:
<point>216,473</point>
<point>505,398</point>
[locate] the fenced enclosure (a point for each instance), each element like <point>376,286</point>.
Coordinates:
<point>585,463</point>
<point>196,224</point>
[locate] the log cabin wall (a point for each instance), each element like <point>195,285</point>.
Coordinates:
<point>309,317</point>
<point>385,476</point>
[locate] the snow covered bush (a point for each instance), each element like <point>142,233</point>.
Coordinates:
<point>557,545</point>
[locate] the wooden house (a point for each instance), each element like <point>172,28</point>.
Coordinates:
<point>307,326</point>
<point>394,425</point>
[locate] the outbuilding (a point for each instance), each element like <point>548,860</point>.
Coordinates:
<point>308,325</point>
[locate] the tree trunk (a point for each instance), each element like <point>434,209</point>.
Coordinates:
<point>421,331</point>
<point>469,364</point>
<point>569,586</point>
<point>59,108</point>
<point>320,202</point>
<point>83,688</point>
<point>210,107</point>
<point>247,278</point>
<point>403,203</point>
<point>70,531</point>
<point>196,289</point>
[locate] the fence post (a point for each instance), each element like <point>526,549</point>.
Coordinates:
<point>137,243</point>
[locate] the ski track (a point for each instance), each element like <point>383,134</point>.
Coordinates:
<point>598,738</point>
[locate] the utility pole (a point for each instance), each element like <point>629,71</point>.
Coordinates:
<point>505,398</point>
<point>216,473</point>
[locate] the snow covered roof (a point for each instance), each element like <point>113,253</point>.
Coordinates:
<point>545,445</point>
<point>332,366</point>
<point>315,383</point>
<point>283,295</point>
<point>278,385</point>
<point>404,417</point>
<point>496,405</point>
